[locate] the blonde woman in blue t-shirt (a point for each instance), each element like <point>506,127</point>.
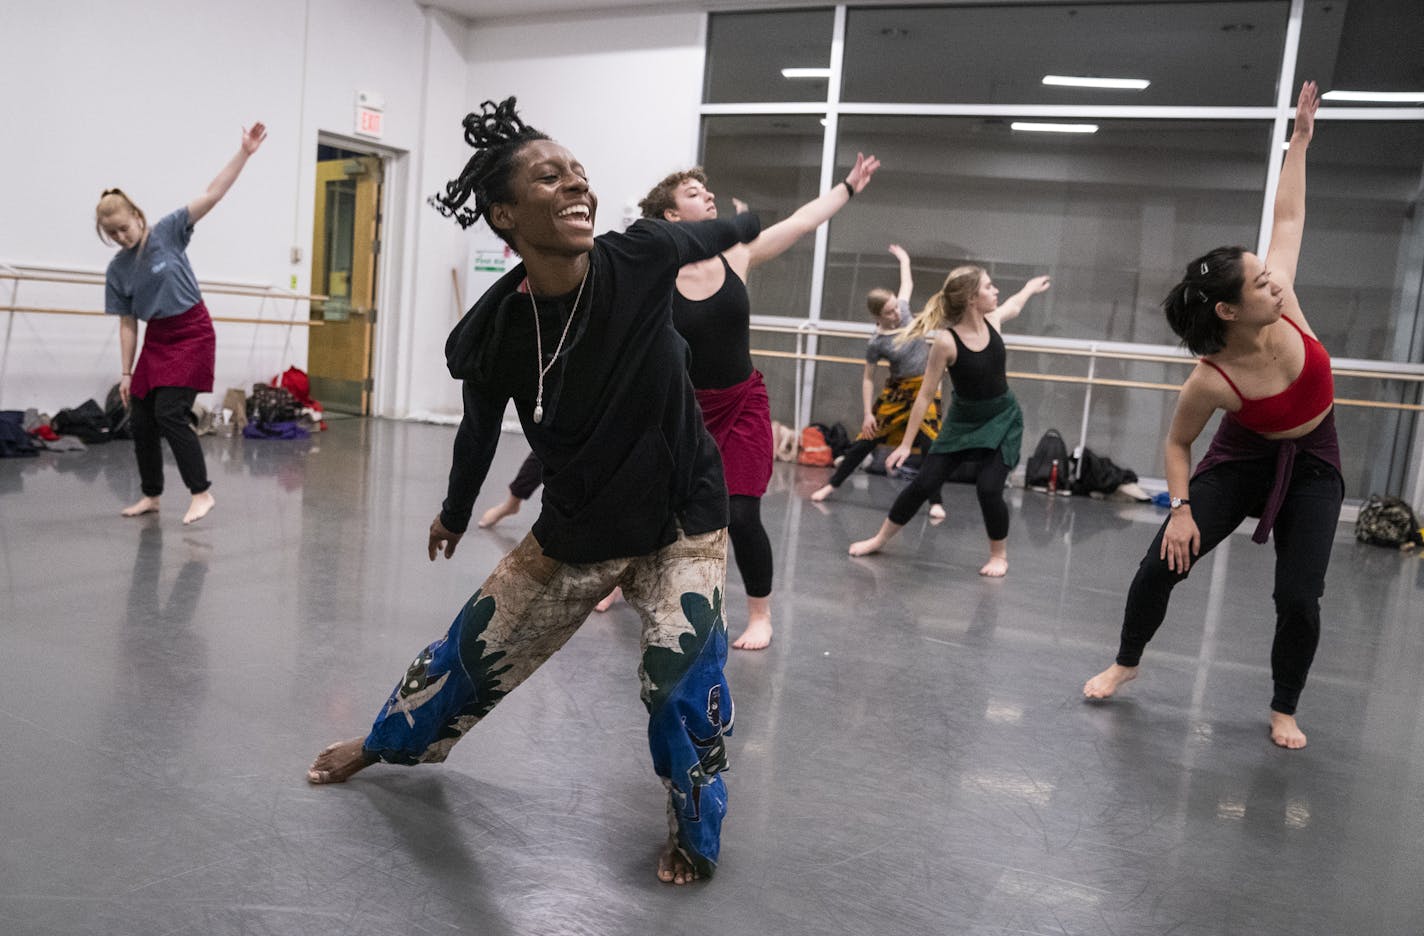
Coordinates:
<point>150,279</point>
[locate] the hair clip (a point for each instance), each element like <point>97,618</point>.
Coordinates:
<point>1204,269</point>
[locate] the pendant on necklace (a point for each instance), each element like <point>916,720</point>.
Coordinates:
<point>538,414</point>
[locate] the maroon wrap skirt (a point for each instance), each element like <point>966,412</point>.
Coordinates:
<point>739,419</point>
<point>178,351</point>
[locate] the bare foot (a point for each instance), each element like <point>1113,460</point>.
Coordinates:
<point>996,567</point>
<point>201,505</point>
<point>757,635</point>
<point>822,493</point>
<point>867,546</point>
<point>339,762</point>
<point>673,866</point>
<point>142,506</point>
<point>498,512</point>
<point>1285,732</point>
<point>1107,682</point>
<point>937,513</point>
<point>609,599</point>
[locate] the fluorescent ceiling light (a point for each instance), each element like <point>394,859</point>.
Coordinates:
<point>805,73</point>
<point>1115,84</point>
<point>1053,127</point>
<point>1376,97</point>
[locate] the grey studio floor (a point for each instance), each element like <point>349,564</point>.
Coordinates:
<point>911,755</point>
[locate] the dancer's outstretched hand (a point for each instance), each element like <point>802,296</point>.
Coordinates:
<point>442,539</point>
<point>897,458</point>
<point>740,206</point>
<point>899,253</point>
<point>1305,110</point>
<point>253,136</point>
<point>1037,285</point>
<point>859,176</point>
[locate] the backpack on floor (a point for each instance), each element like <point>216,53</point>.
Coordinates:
<point>814,449</point>
<point>1050,448</point>
<point>1388,521</point>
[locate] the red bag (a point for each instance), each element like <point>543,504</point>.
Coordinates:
<point>814,449</point>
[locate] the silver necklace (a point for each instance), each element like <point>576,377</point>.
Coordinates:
<point>539,343</point>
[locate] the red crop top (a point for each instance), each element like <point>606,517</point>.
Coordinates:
<point>1309,395</point>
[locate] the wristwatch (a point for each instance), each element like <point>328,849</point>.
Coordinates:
<point>1176,502</point>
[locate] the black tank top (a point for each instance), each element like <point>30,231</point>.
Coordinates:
<point>718,332</point>
<point>980,375</point>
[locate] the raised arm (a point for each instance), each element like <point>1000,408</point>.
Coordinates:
<point>700,240</point>
<point>778,238</point>
<point>251,139</point>
<point>1289,219</point>
<point>475,443</point>
<point>907,282</point>
<point>1009,309</point>
<point>940,353</point>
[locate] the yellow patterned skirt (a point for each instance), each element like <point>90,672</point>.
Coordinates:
<point>892,410</point>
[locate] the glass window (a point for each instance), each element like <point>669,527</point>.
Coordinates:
<point>1362,255</point>
<point>773,163</point>
<point>1224,53</point>
<point>1112,216</point>
<point>747,51</point>
<point>1374,46</point>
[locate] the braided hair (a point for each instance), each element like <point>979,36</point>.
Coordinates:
<point>1191,305</point>
<point>498,134</point>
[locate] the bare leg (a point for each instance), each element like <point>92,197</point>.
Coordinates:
<point>821,493</point>
<point>1107,682</point>
<point>867,546</point>
<point>201,505</point>
<point>508,508</point>
<point>673,866</point>
<point>757,636</point>
<point>1285,732</point>
<point>998,564</point>
<point>609,599</point>
<point>339,762</point>
<point>140,507</point>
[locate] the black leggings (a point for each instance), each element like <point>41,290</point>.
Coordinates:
<point>985,466</point>
<point>750,545</point>
<point>528,478</point>
<point>863,447</point>
<point>1304,532</point>
<point>164,414</point>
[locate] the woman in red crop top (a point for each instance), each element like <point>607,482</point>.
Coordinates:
<point>1275,454</point>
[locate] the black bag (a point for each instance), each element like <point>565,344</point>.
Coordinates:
<point>1387,521</point>
<point>1096,474</point>
<point>87,421</point>
<point>271,405</point>
<point>1050,448</point>
<point>117,414</point>
<point>836,437</point>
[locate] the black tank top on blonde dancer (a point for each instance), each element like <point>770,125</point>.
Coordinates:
<point>980,375</point>
<point>718,332</point>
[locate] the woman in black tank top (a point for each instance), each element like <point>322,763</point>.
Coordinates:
<point>983,429</point>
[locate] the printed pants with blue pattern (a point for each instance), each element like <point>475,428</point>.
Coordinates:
<point>528,607</point>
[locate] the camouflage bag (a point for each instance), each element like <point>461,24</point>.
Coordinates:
<point>1387,521</point>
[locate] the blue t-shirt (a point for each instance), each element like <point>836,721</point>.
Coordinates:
<point>153,280</point>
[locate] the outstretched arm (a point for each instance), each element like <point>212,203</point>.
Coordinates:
<point>1010,309</point>
<point>907,282</point>
<point>778,238</point>
<point>940,351</point>
<point>251,139</point>
<point>1289,222</point>
<point>475,443</point>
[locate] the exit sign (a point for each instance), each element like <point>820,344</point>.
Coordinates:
<point>370,122</point>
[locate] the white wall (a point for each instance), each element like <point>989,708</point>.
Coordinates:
<point>150,96</point>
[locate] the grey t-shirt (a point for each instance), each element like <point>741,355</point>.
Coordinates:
<point>154,280</point>
<point>906,360</point>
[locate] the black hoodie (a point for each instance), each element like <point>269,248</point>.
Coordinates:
<point>626,456</point>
